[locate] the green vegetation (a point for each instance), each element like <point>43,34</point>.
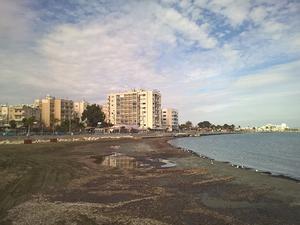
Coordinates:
<point>28,123</point>
<point>93,115</point>
<point>70,125</point>
<point>206,125</point>
<point>186,126</point>
<point>13,124</point>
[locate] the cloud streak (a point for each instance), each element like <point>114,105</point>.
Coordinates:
<point>207,57</point>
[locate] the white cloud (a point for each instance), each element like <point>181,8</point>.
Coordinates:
<point>235,11</point>
<point>15,20</point>
<point>187,28</point>
<point>192,56</point>
<point>258,14</point>
<point>120,54</point>
<point>265,96</point>
<point>271,77</point>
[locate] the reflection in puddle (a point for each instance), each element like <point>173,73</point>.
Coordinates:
<point>121,161</point>
<point>167,163</point>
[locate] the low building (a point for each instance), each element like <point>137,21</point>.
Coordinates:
<point>170,119</point>
<point>273,128</point>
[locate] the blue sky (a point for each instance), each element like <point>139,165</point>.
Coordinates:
<point>224,61</point>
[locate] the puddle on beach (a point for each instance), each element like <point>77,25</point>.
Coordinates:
<point>167,163</point>
<point>120,160</point>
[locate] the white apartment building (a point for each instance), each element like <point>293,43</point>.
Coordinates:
<point>170,119</point>
<point>79,108</point>
<point>273,128</point>
<point>135,107</point>
<point>105,110</point>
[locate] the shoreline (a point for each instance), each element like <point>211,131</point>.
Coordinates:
<point>58,183</point>
<point>232,164</point>
<point>103,138</point>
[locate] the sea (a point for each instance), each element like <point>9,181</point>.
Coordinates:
<point>276,153</point>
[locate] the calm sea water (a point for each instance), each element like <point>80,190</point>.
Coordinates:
<point>278,153</point>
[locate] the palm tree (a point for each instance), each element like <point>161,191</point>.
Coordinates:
<point>28,122</point>
<point>54,122</point>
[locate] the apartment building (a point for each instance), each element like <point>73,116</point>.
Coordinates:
<point>105,110</point>
<point>136,107</point>
<point>79,108</point>
<point>273,128</point>
<point>54,111</point>
<point>150,109</point>
<point>4,115</point>
<point>170,119</point>
<point>18,113</point>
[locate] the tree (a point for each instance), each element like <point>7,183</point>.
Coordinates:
<point>28,123</point>
<point>218,127</point>
<point>76,124</point>
<point>54,123</point>
<point>204,124</point>
<point>232,126</point>
<point>226,126</point>
<point>93,115</point>
<point>13,124</point>
<point>188,125</point>
<point>66,126</point>
<point>182,126</point>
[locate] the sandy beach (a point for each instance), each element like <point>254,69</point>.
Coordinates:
<point>136,181</point>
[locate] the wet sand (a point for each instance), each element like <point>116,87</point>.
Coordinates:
<point>80,183</point>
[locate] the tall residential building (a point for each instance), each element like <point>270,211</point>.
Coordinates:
<point>136,107</point>
<point>170,119</point>
<point>79,108</point>
<point>54,111</point>
<point>105,110</point>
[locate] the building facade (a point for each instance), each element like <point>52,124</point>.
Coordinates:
<point>105,110</point>
<point>79,108</point>
<point>137,107</point>
<point>170,119</point>
<point>54,111</point>
<point>4,115</point>
<point>273,128</point>
<point>18,113</point>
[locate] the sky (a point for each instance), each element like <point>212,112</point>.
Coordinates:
<point>226,61</point>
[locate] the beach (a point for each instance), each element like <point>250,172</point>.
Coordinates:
<point>136,181</point>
